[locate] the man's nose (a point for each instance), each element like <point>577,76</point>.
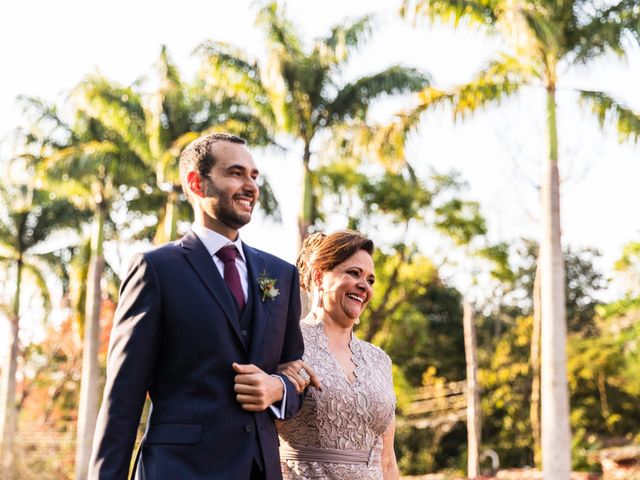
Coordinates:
<point>252,184</point>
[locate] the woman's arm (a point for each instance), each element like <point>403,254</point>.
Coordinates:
<point>389,465</point>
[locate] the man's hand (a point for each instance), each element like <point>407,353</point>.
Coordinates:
<point>256,390</point>
<point>295,372</point>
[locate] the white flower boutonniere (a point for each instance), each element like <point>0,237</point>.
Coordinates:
<point>267,287</point>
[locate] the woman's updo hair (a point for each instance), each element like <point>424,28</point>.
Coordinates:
<point>324,252</point>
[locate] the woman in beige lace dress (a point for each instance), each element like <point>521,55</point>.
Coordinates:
<point>346,429</point>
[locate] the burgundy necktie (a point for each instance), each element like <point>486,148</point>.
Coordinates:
<point>231,276</point>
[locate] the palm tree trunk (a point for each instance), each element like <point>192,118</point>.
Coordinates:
<point>473,393</point>
<point>171,217</point>
<point>90,382</point>
<point>534,413</point>
<point>167,228</point>
<point>8,411</point>
<point>556,435</point>
<point>306,218</point>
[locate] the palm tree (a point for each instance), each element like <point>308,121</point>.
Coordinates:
<point>545,37</point>
<point>28,216</point>
<point>158,126</point>
<point>301,91</point>
<point>87,164</point>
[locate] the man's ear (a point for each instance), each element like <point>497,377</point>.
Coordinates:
<point>194,180</point>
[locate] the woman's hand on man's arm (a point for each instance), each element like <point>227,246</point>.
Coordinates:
<point>300,374</point>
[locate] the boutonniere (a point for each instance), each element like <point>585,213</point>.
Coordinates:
<point>267,286</point>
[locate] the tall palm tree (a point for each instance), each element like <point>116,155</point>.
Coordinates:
<point>87,165</point>
<point>545,38</point>
<point>156,127</point>
<point>28,216</point>
<point>301,91</point>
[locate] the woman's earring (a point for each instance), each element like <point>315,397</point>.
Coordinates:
<point>358,321</point>
<point>320,302</point>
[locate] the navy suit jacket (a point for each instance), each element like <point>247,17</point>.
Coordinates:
<point>175,335</point>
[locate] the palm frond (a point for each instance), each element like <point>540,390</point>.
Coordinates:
<point>38,110</point>
<point>249,127</point>
<point>345,38</point>
<point>46,126</point>
<point>118,108</point>
<point>78,191</point>
<point>540,36</point>
<point>501,79</point>
<point>225,56</point>
<point>127,168</point>
<point>268,202</point>
<point>80,161</point>
<point>40,282</point>
<point>169,163</point>
<point>353,100</point>
<point>6,311</point>
<point>608,110</point>
<point>357,144</point>
<point>280,31</point>
<point>481,12</point>
<point>228,74</point>
<point>7,233</point>
<point>496,82</point>
<point>605,31</point>
<point>152,202</point>
<point>52,214</point>
<point>7,252</point>
<point>174,104</point>
<point>168,71</point>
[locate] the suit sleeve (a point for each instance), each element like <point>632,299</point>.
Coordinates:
<point>133,348</point>
<point>293,347</point>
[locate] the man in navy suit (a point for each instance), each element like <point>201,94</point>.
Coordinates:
<point>201,326</point>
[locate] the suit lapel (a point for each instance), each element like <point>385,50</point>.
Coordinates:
<point>199,258</point>
<point>256,265</point>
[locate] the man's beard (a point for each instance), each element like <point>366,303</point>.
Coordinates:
<point>224,210</point>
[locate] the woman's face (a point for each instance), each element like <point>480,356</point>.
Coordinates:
<point>348,288</point>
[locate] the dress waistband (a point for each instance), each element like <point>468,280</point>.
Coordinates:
<point>329,455</point>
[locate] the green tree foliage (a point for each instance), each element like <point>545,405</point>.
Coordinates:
<point>514,268</point>
<point>602,368</point>
<point>301,90</point>
<point>423,318</point>
<point>542,39</point>
<point>629,267</point>
<point>156,126</point>
<point>28,216</point>
<point>506,390</point>
<point>414,316</point>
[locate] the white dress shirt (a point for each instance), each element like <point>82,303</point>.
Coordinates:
<point>213,241</point>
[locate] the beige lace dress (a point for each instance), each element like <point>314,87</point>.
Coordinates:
<point>338,432</point>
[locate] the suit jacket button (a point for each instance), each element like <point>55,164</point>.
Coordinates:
<point>244,333</point>
<point>248,428</point>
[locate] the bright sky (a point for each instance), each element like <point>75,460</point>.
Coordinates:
<point>46,47</point>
